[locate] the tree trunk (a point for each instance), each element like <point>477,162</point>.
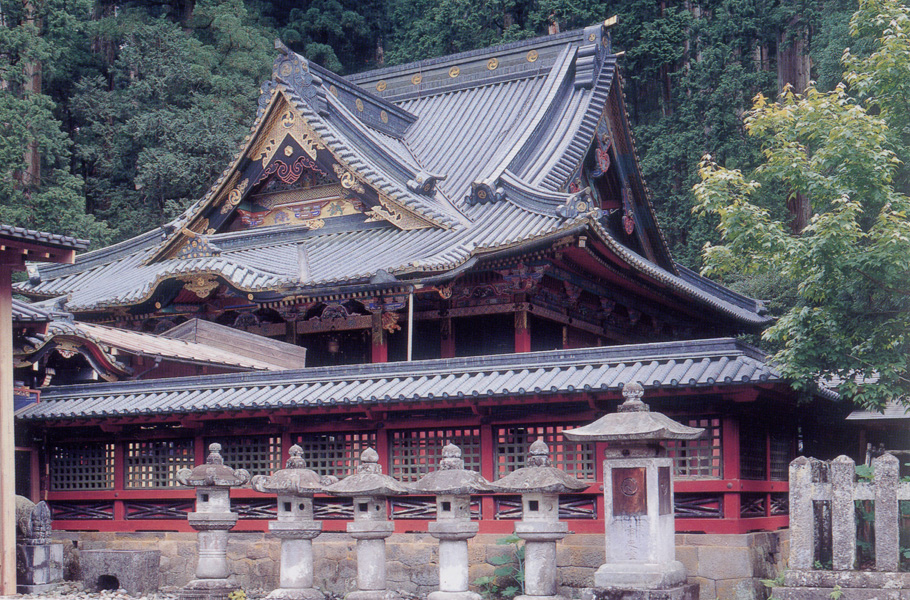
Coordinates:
<point>31,178</point>
<point>793,70</point>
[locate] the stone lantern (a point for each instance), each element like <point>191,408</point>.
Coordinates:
<point>213,519</point>
<point>638,498</point>
<point>295,486</point>
<point>453,485</point>
<point>370,490</point>
<point>540,484</point>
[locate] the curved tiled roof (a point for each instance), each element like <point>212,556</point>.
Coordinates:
<point>517,117</point>
<point>674,365</point>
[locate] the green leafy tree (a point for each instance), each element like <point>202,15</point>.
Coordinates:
<point>157,126</point>
<point>851,318</point>
<point>36,185</point>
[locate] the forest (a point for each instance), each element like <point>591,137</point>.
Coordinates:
<point>118,114</point>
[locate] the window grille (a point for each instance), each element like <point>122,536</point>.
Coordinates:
<point>258,454</point>
<point>513,443</point>
<point>781,454</point>
<point>753,453</point>
<point>701,458</point>
<point>417,452</point>
<point>334,453</point>
<point>154,463</point>
<point>87,466</point>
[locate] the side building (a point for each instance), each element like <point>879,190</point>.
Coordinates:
<point>467,250</point>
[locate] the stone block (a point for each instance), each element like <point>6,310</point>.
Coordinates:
<point>688,556</point>
<point>706,589</point>
<point>818,593</point>
<point>135,571</point>
<point>578,577</point>
<point>683,592</point>
<point>713,539</point>
<point>415,555</point>
<point>740,589</point>
<point>583,556</point>
<point>724,563</point>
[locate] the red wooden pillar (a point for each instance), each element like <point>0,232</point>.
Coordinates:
<point>286,443</point>
<point>380,345</point>
<point>522,332</point>
<point>119,479</point>
<point>448,338</point>
<point>200,452</point>
<point>730,440</point>
<point>487,469</point>
<point>599,450</point>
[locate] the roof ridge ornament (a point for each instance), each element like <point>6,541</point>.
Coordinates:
<point>424,183</point>
<point>294,71</point>
<point>482,192</point>
<point>578,203</point>
<point>589,58</point>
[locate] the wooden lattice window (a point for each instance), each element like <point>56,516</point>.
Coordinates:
<point>86,466</point>
<point>414,453</point>
<point>512,444</point>
<point>154,463</point>
<point>258,454</point>
<point>335,453</point>
<point>781,455</point>
<point>701,458</point>
<point>753,453</point>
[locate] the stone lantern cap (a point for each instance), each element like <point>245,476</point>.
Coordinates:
<point>295,479</point>
<point>539,476</point>
<point>213,473</point>
<point>368,480</point>
<point>633,423</point>
<point>452,479</point>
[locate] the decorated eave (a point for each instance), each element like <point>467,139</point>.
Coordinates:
<point>663,368</point>
<point>440,167</point>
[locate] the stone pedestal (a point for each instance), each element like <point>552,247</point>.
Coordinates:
<point>638,499</point>
<point>370,490</point>
<point>296,576</point>
<point>295,486</point>
<point>371,555</point>
<point>540,557</point>
<point>681,592</point>
<point>540,485</point>
<point>213,519</point>
<point>453,539</point>
<point>453,485</point>
<point>39,566</point>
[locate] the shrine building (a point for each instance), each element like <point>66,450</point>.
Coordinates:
<point>467,250</point>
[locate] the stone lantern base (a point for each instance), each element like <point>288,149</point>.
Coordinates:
<point>208,589</point>
<point>687,591</point>
<point>640,575</point>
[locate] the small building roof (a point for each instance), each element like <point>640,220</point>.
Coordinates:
<point>9,232</point>
<point>23,312</point>
<point>892,411</point>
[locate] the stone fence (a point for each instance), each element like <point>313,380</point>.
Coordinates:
<point>823,522</point>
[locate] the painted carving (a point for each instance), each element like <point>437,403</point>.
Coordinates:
<point>390,322</point>
<point>201,285</point>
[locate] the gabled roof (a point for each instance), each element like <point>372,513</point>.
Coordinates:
<point>662,366</point>
<point>455,159</point>
<point>101,345</point>
<point>9,232</point>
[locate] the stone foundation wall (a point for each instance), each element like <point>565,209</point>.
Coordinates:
<point>727,567</point>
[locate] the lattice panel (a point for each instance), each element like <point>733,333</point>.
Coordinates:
<point>423,508</point>
<point>258,454</point>
<point>752,505</point>
<point>335,453</point>
<point>753,453</point>
<point>417,452</point>
<point>509,508</point>
<point>780,504</point>
<point>255,509</point>
<point>164,509</point>
<point>154,463</point>
<point>88,466</point>
<point>326,509</point>
<point>512,444</point>
<point>698,506</point>
<point>781,455</point>
<point>78,511</point>
<point>702,458</point>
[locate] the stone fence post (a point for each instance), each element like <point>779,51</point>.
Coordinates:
<point>802,515</point>
<point>887,471</point>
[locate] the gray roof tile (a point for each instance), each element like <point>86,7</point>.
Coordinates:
<point>656,366</point>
